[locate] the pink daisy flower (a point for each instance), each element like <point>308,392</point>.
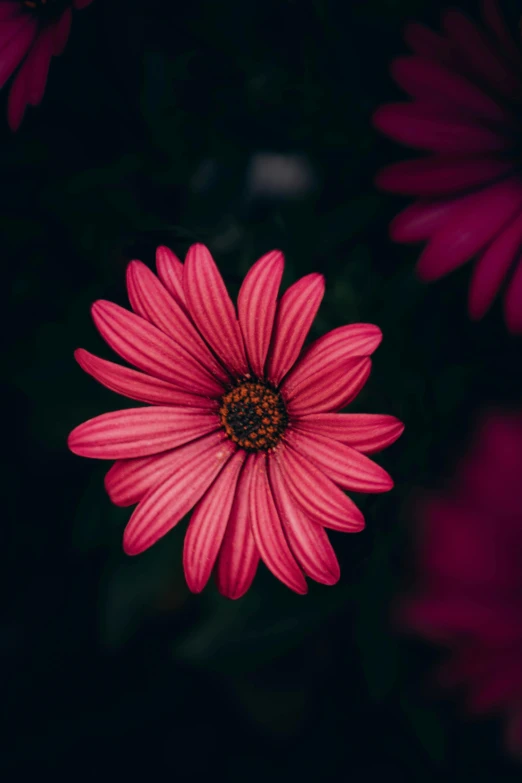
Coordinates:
<point>31,32</point>
<point>468,595</point>
<point>465,86</point>
<point>243,425</point>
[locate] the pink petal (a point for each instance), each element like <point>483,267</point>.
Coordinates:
<point>513,301</point>
<point>477,220</point>
<point>208,523</point>
<point>164,505</point>
<point>141,344</point>
<point>331,390</point>
<point>170,272</point>
<point>129,480</point>
<point>12,53</point>
<point>256,306</point>
<point>421,219</point>
<point>436,176</point>
<point>492,268</point>
<point>212,309</point>
<point>295,314</point>
<point>427,80</point>
<point>37,62</point>
<point>79,4</point>
<point>496,23</point>
<point>137,385</point>
<point>480,56</point>
<point>366,432</point>
<point>425,43</point>
<point>152,301</point>
<point>424,127</point>
<point>316,494</point>
<point>328,353</point>
<point>308,542</point>
<point>138,432</point>
<point>267,529</point>
<point>61,31</point>
<point>238,557</point>
<point>10,10</point>
<point>344,465</point>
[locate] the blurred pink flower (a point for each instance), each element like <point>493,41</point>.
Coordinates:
<point>31,33</point>
<point>242,424</point>
<point>466,89</point>
<point>468,595</point>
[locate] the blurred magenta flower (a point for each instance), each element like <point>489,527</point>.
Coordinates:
<point>468,595</point>
<point>243,424</point>
<point>31,33</point>
<point>466,89</point>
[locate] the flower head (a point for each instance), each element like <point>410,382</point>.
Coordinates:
<point>465,111</point>
<point>31,33</point>
<point>468,595</point>
<point>243,424</point>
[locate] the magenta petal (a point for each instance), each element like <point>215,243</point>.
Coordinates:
<point>267,529</point>
<point>513,301</point>
<point>295,314</point>
<point>164,505</point>
<point>79,4</point>
<point>138,386</point>
<point>331,390</point>
<point>366,432</point>
<point>424,42</point>
<point>208,523</point>
<point>12,53</point>
<point>212,309</point>
<point>256,306</point>
<point>170,272</point>
<point>316,494</point>
<point>328,353</point>
<point>38,61</point>
<point>10,9</point>
<point>470,227</point>
<point>129,480</point>
<point>437,176</point>
<point>152,301</point>
<point>496,23</point>
<point>425,127</point>
<point>421,219</point>
<point>347,467</point>
<point>308,542</point>
<point>138,432</point>
<point>142,344</point>
<point>61,32</point>
<point>492,268</point>
<point>239,556</point>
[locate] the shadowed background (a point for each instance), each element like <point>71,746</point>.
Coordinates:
<point>245,126</point>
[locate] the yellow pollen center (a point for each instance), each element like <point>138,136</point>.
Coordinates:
<point>253,416</point>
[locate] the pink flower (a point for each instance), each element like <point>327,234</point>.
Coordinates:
<point>31,32</point>
<point>243,425</point>
<point>469,585</point>
<point>466,89</point>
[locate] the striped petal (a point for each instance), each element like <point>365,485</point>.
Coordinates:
<point>317,495</point>
<point>138,386</point>
<point>493,266</point>
<point>347,467</point>
<point>208,523</point>
<point>138,432</point>
<point>152,301</point>
<point>267,529</point>
<point>331,390</point>
<point>212,310</point>
<point>239,556</point>
<point>329,352</point>
<point>366,432</point>
<point>308,542</point>
<point>170,272</point>
<point>294,317</point>
<point>142,344</point>
<point>129,480</point>
<point>513,301</point>
<point>478,218</point>
<point>166,504</point>
<point>256,306</point>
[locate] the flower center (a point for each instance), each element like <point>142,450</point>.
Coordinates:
<point>254,416</point>
<point>47,8</point>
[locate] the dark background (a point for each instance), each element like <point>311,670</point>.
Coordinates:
<point>146,136</point>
